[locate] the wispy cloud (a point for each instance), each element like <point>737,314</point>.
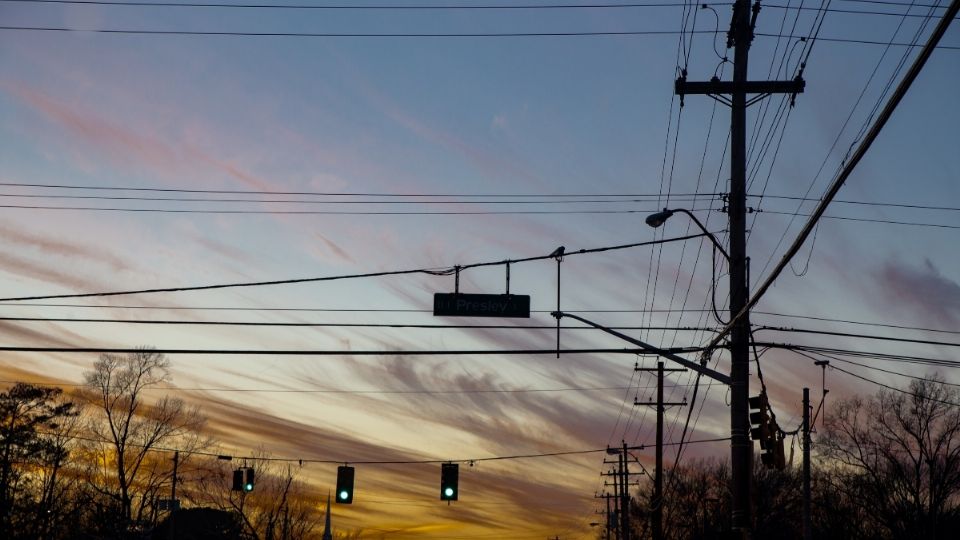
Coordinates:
<point>934,297</point>
<point>335,249</point>
<point>126,147</point>
<point>27,269</point>
<point>60,247</point>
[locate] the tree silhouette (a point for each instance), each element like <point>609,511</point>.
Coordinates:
<point>896,457</point>
<point>128,466</point>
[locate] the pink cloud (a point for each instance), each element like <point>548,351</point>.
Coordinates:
<point>125,146</point>
<point>121,144</point>
<point>55,246</point>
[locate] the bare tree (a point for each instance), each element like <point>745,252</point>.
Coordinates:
<point>896,455</point>
<point>280,507</point>
<point>130,468</point>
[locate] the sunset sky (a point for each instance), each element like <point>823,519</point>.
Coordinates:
<point>441,151</point>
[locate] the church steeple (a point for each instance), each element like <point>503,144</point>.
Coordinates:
<point>327,535</point>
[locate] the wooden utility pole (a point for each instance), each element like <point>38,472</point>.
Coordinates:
<point>621,489</point>
<point>739,37</point>
<point>807,532</point>
<point>613,519</point>
<point>609,525</point>
<point>656,502</point>
<point>624,495</point>
<point>173,495</point>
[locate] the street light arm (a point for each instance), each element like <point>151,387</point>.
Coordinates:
<point>716,243</point>
<point>704,370</point>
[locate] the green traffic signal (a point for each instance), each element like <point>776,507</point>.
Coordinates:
<point>449,478</point>
<point>344,484</point>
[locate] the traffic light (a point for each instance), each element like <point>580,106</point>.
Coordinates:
<point>765,430</point>
<point>760,429</point>
<point>248,484</point>
<point>344,484</point>
<point>449,478</point>
<point>243,480</point>
<point>759,421</point>
<point>237,480</point>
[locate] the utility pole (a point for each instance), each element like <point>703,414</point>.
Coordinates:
<point>656,502</point>
<point>739,37</point>
<point>609,525</point>
<point>621,489</point>
<point>173,494</point>
<point>624,495</point>
<point>807,531</point>
<point>613,523</point>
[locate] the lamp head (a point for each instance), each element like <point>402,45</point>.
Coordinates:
<point>658,219</point>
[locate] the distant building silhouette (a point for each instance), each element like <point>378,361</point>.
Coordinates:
<point>327,535</point>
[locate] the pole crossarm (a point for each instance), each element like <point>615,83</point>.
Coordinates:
<point>716,86</point>
<point>646,347</point>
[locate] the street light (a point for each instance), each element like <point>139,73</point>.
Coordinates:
<point>657,219</point>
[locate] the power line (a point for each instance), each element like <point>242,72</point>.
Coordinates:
<point>836,139</point>
<point>887,386</point>
<point>892,3</point>
<point>887,357</point>
<point>388,310</point>
<point>328,352</point>
<point>875,368</point>
<point>862,336</point>
<point>351,7</point>
<point>333,202</point>
<point>361,462</point>
<point>437,7</point>
<point>347,391</point>
<point>319,310</point>
<point>432,272</point>
<point>327,193</point>
<point>226,33</point>
<point>344,325</point>
<point>432,213</point>
<point>475,460</point>
<point>862,203</point>
<point>121,31</point>
<point>849,166</point>
<point>861,323</point>
<point>317,212</point>
<point>866,220</point>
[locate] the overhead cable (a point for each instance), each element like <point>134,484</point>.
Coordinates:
<point>329,352</point>
<point>427,271</point>
<point>237,33</point>
<point>849,167</point>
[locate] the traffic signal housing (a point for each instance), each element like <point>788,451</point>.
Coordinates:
<point>237,480</point>
<point>248,483</point>
<point>766,431</point>
<point>449,480</point>
<point>344,485</point>
<point>760,420</point>
<point>243,480</point>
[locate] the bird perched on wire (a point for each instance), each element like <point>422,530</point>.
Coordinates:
<point>558,253</point>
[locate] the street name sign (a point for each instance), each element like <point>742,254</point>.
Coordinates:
<point>481,305</point>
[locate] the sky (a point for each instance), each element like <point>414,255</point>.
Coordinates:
<point>398,149</point>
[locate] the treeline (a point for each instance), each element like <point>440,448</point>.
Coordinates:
<point>91,464</point>
<point>885,466</point>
